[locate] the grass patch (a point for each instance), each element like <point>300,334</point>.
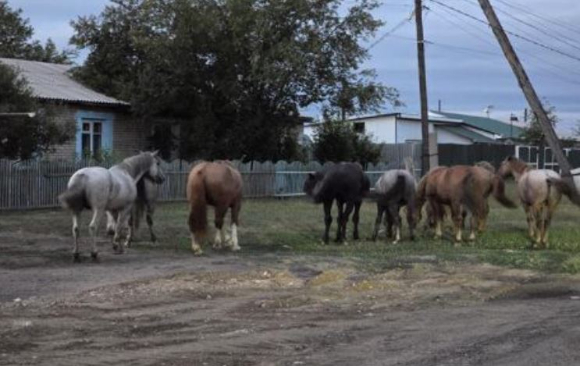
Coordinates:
<point>294,226</point>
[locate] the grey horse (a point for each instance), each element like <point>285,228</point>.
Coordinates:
<point>394,189</point>
<point>101,190</point>
<point>147,195</point>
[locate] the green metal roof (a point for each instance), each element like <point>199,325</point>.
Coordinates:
<point>489,124</point>
<point>468,134</point>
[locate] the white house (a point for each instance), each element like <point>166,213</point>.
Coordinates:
<point>393,128</point>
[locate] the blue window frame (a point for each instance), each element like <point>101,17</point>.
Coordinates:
<point>94,133</point>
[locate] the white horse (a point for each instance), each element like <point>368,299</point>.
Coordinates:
<point>147,195</point>
<point>101,190</point>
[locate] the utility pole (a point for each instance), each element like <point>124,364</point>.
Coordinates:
<point>425,155</point>
<point>549,134</point>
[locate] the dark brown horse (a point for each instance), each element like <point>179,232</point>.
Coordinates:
<point>464,189</point>
<point>538,196</point>
<point>347,184</point>
<point>216,184</point>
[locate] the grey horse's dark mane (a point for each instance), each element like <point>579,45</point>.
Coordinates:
<point>137,164</point>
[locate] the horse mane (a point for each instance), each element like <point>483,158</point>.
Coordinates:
<point>137,164</point>
<point>518,165</point>
<point>485,165</point>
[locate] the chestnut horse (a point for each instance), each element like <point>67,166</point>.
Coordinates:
<point>538,196</point>
<point>464,189</point>
<point>217,184</point>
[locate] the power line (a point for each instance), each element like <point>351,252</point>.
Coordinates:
<point>487,53</point>
<point>558,23</point>
<point>392,30</point>
<point>541,65</point>
<point>457,25</point>
<point>537,28</point>
<point>509,32</point>
<point>473,50</point>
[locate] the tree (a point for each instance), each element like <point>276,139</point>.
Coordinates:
<point>236,71</point>
<point>338,141</point>
<point>15,39</point>
<point>533,132</point>
<point>25,129</point>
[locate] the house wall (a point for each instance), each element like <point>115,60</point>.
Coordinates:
<point>392,130</point>
<point>446,137</point>
<point>124,137</point>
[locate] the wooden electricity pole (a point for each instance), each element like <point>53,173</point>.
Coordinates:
<point>425,155</point>
<point>531,96</point>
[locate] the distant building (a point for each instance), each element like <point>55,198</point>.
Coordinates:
<point>103,123</point>
<point>503,130</point>
<point>450,128</point>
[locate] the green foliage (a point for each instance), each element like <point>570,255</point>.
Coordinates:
<point>533,132</point>
<point>236,72</point>
<point>338,141</point>
<point>23,136</point>
<point>15,39</point>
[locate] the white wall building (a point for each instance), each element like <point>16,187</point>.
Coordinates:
<point>393,128</point>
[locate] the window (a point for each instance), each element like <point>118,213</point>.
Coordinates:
<point>92,139</point>
<point>359,127</point>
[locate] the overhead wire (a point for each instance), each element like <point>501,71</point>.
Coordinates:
<point>536,66</point>
<point>392,30</point>
<point>560,23</point>
<point>561,39</point>
<point>517,35</point>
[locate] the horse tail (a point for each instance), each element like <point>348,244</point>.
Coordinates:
<point>140,204</point>
<point>198,204</point>
<point>366,184</point>
<point>498,192</point>
<point>471,198</point>
<point>560,185</point>
<point>421,191</point>
<point>74,198</point>
<point>138,212</point>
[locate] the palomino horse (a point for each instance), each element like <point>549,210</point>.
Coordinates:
<point>461,188</point>
<point>147,195</point>
<point>395,189</point>
<point>347,184</point>
<point>100,190</point>
<point>217,184</point>
<point>539,198</point>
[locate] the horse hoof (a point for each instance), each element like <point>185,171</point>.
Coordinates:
<point>153,239</point>
<point>95,257</point>
<point>197,253</point>
<point>236,248</point>
<point>76,258</point>
<point>395,242</point>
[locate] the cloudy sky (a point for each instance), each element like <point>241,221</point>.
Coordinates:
<point>465,67</point>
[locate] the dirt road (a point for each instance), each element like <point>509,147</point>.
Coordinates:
<point>156,307</point>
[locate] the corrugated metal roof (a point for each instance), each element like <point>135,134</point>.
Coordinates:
<point>52,82</point>
<point>468,134</point>
<point>488,124</point>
